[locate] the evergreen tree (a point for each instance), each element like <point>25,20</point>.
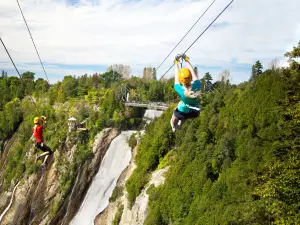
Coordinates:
<point>153,73</point>
<point>203,84</point>
<point>256,70</point>
<point>252,72</point>
<point>208,83</point>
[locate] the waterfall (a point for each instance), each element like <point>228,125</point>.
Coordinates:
<point>116,159</point>
<point>151,114</point>
<point>11,201</point>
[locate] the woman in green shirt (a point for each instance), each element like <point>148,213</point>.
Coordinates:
<point>187,85</point>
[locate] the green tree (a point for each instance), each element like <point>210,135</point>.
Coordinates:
<point>3,74</point>
<point>4,92</point>
<point>156,91</point>
<point>256,70</point>
<point>82,85</point>
<point>13,114</point>
<point>154,73</point>
<point>208,83</point>
<point>41,86</point>
<point>28,82</point>
<point>110,77</point>
<point>69,86</point>
<point>93,97</point>
<point>15,86</point>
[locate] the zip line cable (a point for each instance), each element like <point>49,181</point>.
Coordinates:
<point>18,73</point>
<point>33,42</point>
<point>200,35</point>
<point>186,34</point>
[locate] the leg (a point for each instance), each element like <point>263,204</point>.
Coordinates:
<point>45,160</point>
<point>177,119</point>
<point>179,124</point>
<point>42,155</point>
<point>47,151</point>
<point>173,122</point>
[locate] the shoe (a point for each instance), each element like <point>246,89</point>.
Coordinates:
<point>37,158</point>
<point>43,166</point>
<point>173,128</point>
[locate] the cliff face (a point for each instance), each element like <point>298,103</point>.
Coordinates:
<point>37,199</point>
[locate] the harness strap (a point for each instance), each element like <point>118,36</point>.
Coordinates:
<point>191,106</point>
<point>194,108</point>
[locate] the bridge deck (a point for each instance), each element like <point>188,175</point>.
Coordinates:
<point>160,106</point>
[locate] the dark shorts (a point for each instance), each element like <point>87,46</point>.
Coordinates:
<point>184,116</point>
<point>43,147</point>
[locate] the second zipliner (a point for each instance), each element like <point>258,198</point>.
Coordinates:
<point>187,85</point>
<point>37,136</point>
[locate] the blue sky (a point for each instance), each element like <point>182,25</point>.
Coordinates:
<point>86,36</point>
<point>73,2</point>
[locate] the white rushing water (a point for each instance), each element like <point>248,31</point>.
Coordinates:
<point>150,114</point>
<point>10,203</point>
<point>116,159</point>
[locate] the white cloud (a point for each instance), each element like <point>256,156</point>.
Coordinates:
<point>141,33</point>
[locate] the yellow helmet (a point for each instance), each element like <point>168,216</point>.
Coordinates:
<point>36,120</point>
<point>185,76</point>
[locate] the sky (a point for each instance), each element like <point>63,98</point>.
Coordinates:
<point>75,37</point>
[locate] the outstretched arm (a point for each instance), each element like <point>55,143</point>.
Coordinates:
<point>190,67</point>
<point>176,61</point>
<point>44,121</point>
<point>176,79</point>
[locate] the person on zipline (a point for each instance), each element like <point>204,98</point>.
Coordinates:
<point>187,85</point>
<point>37,131</point>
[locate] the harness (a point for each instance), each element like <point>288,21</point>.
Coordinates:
<point>191,107</point>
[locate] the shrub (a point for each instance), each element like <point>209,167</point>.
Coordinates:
<point>132,142</point>
<point>118,191</point>
<point>118,215</point>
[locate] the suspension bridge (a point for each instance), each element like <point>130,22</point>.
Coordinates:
<point>124,96</point>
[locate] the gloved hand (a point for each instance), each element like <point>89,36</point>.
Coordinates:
<point>177,58</point>
<point>185,57</point>
<point>44,118</point>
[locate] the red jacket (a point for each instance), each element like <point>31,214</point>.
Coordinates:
<point>37,131</point>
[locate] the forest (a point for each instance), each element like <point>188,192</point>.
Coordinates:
<point>97,97</point>
<point>238,163</point>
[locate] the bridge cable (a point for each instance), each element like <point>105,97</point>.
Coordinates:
<point>33,42</point>
<point>186,34</point>
<point>18,73</point>
<point>200,35</point>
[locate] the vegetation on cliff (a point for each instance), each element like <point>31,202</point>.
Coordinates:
<point>238,163</point>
